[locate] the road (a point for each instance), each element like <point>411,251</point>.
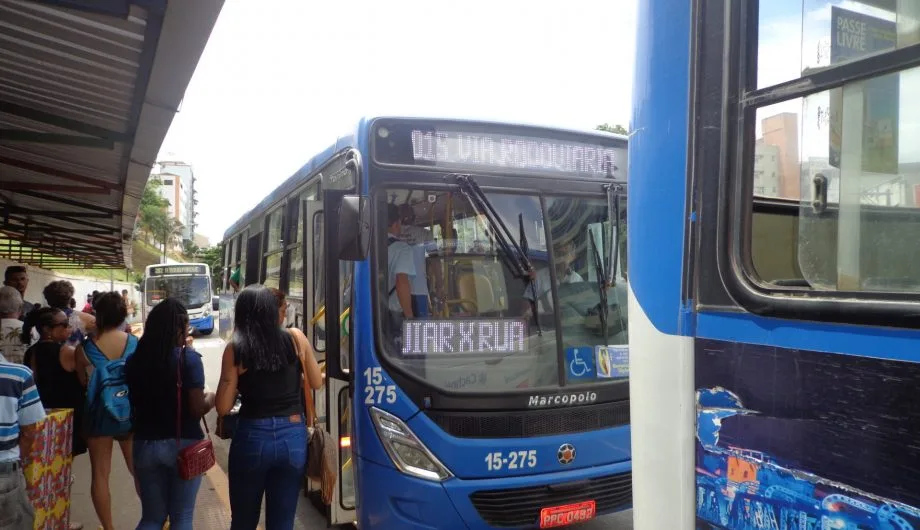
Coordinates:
<point>211,349</point>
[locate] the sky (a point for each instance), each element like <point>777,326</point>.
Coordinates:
<point>796,34</point>
<point>280,79</point>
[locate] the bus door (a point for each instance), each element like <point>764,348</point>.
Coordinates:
<point>333,402</point>
<point>253,260</point>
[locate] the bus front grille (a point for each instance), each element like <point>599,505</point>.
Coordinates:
<point>518,424</point>
<point>520,507</point>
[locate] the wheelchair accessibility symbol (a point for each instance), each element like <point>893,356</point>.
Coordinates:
<point>580,362</point>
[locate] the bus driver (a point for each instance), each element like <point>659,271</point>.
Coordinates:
<point>565,256</point>
<point>400,272</point>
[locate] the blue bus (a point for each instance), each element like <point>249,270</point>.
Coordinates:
<point>775,185</point>
<point>463,284</point>
<point>190,283</point>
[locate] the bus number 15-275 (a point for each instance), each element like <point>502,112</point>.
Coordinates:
<point>375,392</point>
<point>512,460</point>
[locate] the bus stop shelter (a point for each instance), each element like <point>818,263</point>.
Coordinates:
<point>88,90</point>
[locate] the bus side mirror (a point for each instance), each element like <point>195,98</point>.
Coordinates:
<point>354,228</point>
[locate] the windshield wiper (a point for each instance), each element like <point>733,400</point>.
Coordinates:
<point>516,256</point>
<point>525,248</point>
<point>613,205</point>
<point>521,266</point>
<point>602,283</point>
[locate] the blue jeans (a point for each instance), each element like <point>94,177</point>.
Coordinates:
<point>268,456</point>
<point>163,493</point>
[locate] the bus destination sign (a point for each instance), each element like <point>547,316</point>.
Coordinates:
<point>459,149</point>
<point>166,270</point>
<point>464,336</point>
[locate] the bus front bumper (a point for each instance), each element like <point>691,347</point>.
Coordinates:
<point>202,324</point>
<point>392,500</point>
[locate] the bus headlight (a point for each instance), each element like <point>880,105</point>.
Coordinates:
<point>407,452</point>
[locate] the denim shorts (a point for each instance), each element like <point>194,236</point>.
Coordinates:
<point>16,512</point>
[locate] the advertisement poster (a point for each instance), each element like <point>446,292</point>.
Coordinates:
<point>612,361</point>
<point>797,439</point>
<point>854,35</point>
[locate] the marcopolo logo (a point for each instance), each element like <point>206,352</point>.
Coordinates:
<point>572,398</point>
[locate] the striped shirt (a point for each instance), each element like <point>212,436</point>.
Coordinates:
<point>19,405</point>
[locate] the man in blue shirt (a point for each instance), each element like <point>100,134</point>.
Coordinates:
<point>400,266</point>
<point>17,277</point>
<point>20,412</point>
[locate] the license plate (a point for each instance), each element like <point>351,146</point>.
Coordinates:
<point>565,515</point>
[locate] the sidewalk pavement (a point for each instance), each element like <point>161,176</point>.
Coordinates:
<point>212,509</point>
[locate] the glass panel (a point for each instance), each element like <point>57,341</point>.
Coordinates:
<point>192,291</point>
<point>292,228</point>
<point>849,158</point>
<point>454,311</point>
<point>796,36</point>
<point>592,312</point>
<point>319,281</point>
<point>241,256</point>
<point>273,271</point>
<point>347,491</point>
<point>295,272</point>
<point>309,195</point>
<point>228,264</point>
<point>346,276</point>
<point>274,241</point>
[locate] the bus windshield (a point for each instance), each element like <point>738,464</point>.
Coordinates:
<point>457,311</point>
<point>193,291</point>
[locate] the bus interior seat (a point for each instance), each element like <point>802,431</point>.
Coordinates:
<point>475,286</point>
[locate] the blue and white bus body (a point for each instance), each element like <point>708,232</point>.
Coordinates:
<point>190,283</point>
<point>482,451</point>
<point>757,399</point>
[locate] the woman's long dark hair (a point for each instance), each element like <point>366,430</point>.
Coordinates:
<point>110,309</point>
<point>259,343</point>
<point>151,361</point>
<point>39,319</point>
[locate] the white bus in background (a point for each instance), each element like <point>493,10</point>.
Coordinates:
<point>190,283</point>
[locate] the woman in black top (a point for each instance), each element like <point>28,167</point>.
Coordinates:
<point>54,366</point>
<point>152,377</point>
<point>268,454</point>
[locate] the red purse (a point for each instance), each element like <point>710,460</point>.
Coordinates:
<point>198,458</point>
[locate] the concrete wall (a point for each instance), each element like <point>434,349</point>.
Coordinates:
<point>39,278</point>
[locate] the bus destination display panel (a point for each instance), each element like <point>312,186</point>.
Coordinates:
<point>424,337</point>
<point>164,270</point>
<point>452,147</point>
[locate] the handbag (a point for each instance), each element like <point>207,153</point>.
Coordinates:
<point>196,459</point>
<point>228,423</point>
<point>321,457</point>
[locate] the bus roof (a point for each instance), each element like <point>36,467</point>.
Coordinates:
<point>351,140</point>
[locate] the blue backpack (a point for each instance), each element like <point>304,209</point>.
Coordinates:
<point>108,403</point>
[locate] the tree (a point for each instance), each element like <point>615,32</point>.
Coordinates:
<point>618,129</point>
<point>165,230</point>
<point>214,257</point>
<point>190,250</point>
<point>152,212</point>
